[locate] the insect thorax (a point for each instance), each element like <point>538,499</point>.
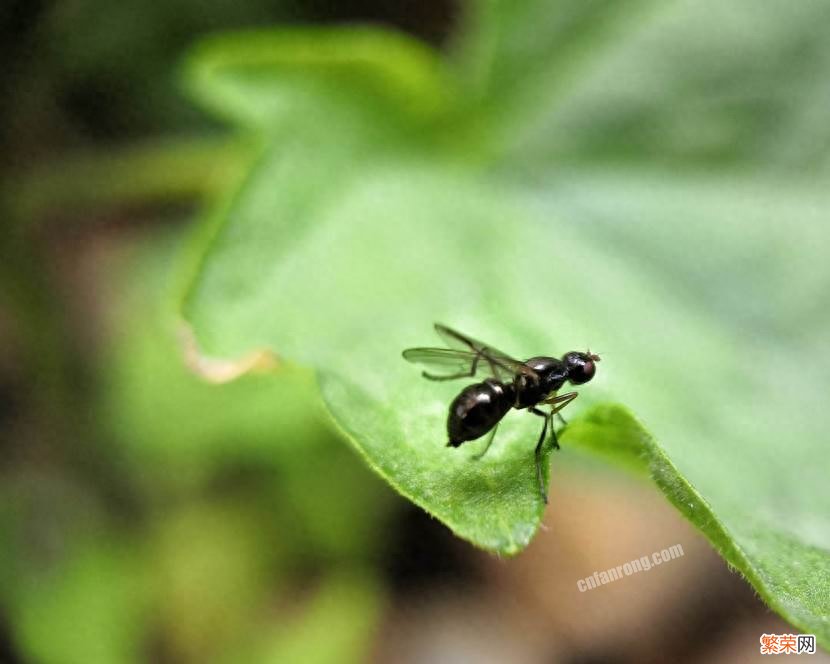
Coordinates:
<point>552,374</point>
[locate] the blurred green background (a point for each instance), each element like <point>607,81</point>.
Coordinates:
<point>149,515</point>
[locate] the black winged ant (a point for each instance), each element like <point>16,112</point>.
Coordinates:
<point>480,407</point>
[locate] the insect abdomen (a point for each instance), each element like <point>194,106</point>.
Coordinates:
<point>477,409</point>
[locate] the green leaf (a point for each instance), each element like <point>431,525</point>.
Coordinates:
<point>683,283</point>
<point>214,569</point>
<point>594,262</point>
<point>91,607</point>
<point>285,76</point>
<point>703,82</point>
<point>346,300</point>
<point>517,60</point>
<point>729,366</point>
<point>336,624</point>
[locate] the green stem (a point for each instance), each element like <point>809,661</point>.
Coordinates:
<point>175,170</point>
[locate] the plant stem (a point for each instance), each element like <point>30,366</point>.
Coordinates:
<point>165,171</point>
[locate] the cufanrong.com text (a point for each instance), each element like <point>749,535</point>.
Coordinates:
<point>641,564</point>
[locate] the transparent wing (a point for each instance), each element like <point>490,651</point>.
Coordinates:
<point>466,358</point>
<point>448,360</point>
<point>501,360</point>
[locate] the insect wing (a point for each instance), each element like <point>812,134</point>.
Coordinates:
<point>449,361</point>
<point>500,365</point>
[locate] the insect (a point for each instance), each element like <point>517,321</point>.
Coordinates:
<point>480,407</point>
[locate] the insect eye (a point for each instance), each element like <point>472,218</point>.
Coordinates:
<point>581,367</point>
<point>588,369</point>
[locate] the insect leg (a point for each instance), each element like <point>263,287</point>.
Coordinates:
<point>462,374</point>
<point>554,438</point>
<point>557,403</point>
<point>489,442</point>
<point>538,452</point>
